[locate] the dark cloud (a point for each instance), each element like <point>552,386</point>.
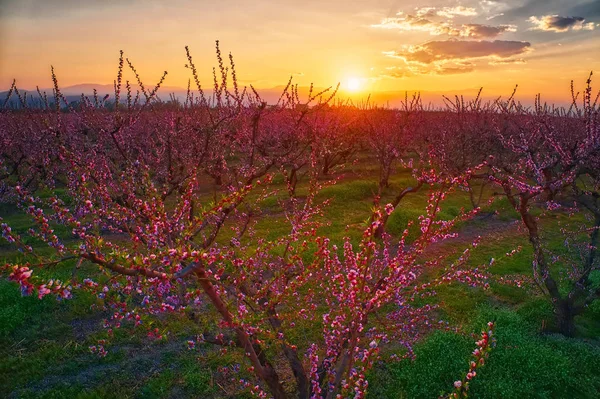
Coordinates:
<point>478,31</point>
<point>556,23</point>
<point>443,51</point>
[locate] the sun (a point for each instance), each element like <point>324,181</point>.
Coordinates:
<point>353,84</point>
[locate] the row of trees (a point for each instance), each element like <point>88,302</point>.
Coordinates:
<point>158,206</point>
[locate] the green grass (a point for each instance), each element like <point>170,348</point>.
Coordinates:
<point>524,363</point>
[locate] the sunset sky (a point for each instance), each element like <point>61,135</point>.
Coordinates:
<point>368,46</point>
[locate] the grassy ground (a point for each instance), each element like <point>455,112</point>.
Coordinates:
<point>44,343</point>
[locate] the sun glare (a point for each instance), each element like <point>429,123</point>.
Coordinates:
<point>353,84</point>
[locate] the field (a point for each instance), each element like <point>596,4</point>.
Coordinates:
<point>46,341</point>
<point>222,247</point>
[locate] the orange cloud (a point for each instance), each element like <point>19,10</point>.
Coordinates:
<point>449,57</point>
<point>451,50</point>
<point>421,23</point>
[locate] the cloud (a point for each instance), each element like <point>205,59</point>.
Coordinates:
<point>492,6</point>
<point>451,12</point>
<point>447,12</point>
<point>555,23</point>
<point>494,16</point>
<point>493,9</point>
<point>478,31</point>
<point>416,23</point>
<point>444,51</point>
<point>421,24</point>
<point>426,12</point>
<point>451,57</point>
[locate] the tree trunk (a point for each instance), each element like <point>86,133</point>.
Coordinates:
<point>381,229</point>
<point>262,368</point>
<point>292,181</point>
<point>563,306</point>
<point>565,318</point>
<point>303,384</point>
<point>384,177</point>
<point>325,170</point>
<point>474,203</point>
<point>218,179</point>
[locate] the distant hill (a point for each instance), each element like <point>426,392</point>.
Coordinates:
<point>392,99</point>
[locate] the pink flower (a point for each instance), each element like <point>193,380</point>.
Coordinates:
<point>43,291</point>
<point>389,208</point>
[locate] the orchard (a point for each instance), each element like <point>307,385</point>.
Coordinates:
<point>308,248</point>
